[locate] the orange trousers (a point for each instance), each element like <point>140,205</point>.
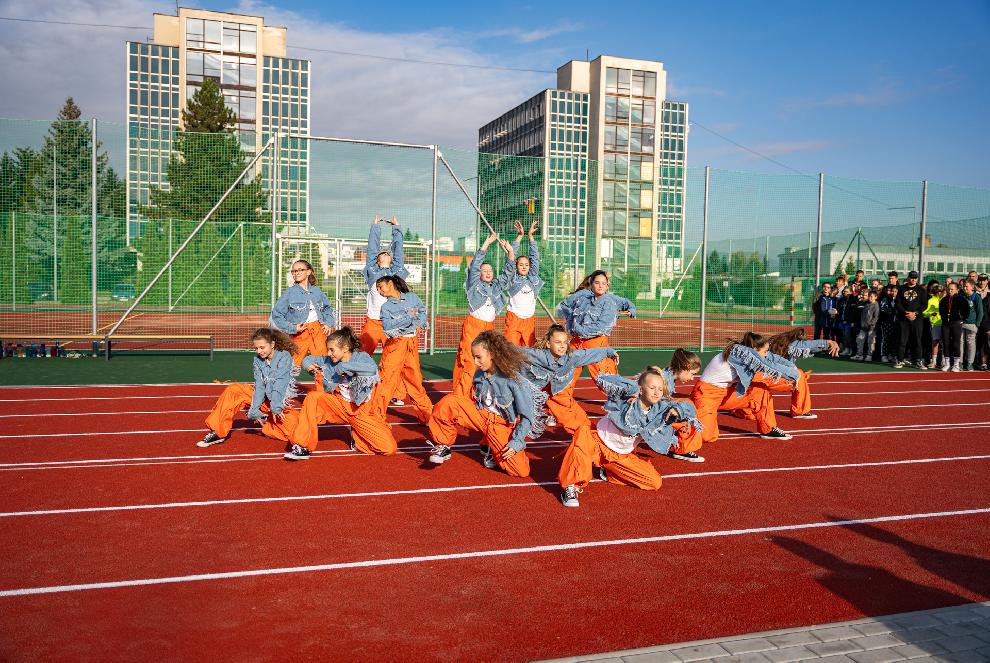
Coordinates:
<point>588,450</point>
<point>569,415</point>
<point>709,399</point>
<point>310,341</point>
<point>800,394</point>
<point>607,365</point>
<point>520,331</point>
<point>400,370</point>
<point>371,434</point>
<point>688,437</point>
<point>238,397</point>
<point>455,410</point>
<point>464,366</point>
<point>372,335</point>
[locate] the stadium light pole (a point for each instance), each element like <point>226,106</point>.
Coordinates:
<point>93,211</point>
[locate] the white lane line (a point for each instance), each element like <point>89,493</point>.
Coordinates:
<point>797,433</point>
<point>451,489</point>
<point>396,561</point>
<point>407,423</point>
<point>911,392</point>
<point>105,398</point>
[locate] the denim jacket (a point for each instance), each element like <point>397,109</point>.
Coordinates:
<point>397,316</point>
<point>804,349</point>
<point>624,410</point>
<point>372,272</point>
<point>747,362</point>
<point>588,316</point>
<point>360,374</point>
<point>274,382</point>
<point>543,369</point>
<point>516,281</point>
<point>292,308</point>
<point>479,292</point>
<point>514,398</point>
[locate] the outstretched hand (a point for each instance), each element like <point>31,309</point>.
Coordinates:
<point>833,348</point>
<point>532,229</point>
<point>489,241</point>
<point>393,221</point>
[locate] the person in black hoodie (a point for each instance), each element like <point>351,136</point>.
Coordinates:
<point>953,308</point>
<point>887,343</point>
<point>912,299</point>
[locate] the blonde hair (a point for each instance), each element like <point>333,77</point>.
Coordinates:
<point>654,370</point>
<point>544,343</point>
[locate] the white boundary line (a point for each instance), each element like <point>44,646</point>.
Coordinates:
<point>452,489</point>
<point>404,423</point>
<point>396,561</point>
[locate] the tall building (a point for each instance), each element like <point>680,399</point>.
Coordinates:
<point>267,91</point>
<point>605,173</point>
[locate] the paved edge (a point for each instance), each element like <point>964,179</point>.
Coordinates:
<point>983,607</point>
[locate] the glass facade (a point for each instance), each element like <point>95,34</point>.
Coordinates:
<point>267,94</point>
<point>567,177</point>
<point>670,189</point>
<point>628,170</point>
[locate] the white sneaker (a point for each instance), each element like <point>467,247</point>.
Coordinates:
<point>857,358</point>
<point>945,368</point>
<point>488,458</point>
<point>397,402</point>
<point>955,368</point>
<point>868,359</point>
<point>806,415</point>
<point>569,496</point>
<point>441,453</point>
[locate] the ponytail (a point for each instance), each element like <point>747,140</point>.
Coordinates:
<point>345,338</point>
<point>750,340</point>
<point>684,360</point>
<point>544,343</point>
<point>586,283</point>
<point>396,281</point>
<point>312,273</point>
<point>281,340</point>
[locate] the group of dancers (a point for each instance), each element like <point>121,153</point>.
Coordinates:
<point>508,387</point>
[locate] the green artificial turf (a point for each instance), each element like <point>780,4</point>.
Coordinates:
<point>152,368</point>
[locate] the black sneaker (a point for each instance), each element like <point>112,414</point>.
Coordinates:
<point>297,453</point>
<point>776,434</point>
<point>602,474</point>
<point>441,454</point>
<point>352,445</point>
<point>210,439</point>
<point>920,365</point>
<point>569,496</point>
<point>690,457</point>
<point>487,457</point>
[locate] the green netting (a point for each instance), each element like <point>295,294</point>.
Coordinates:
<point>644,225</point>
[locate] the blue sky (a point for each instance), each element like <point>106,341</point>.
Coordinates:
<point>882,90</point>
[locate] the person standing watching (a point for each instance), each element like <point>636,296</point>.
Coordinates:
<point>912,299</point>
<point>983,337</point>
<point>972,323</point>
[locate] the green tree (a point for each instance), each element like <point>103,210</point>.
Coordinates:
<point>62,173</point>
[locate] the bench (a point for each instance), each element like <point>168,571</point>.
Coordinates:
<point>107,341</point>
<point>137,338</point>
<point>54,338</point>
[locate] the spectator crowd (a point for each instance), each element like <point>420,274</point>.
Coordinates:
<point>939,325</point>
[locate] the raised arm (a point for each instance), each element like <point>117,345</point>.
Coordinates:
<point>616,387</point>
<point>588,356</point>
<point>398,257</point>
<point>374,244</point>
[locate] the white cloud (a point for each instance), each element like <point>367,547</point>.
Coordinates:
<point>530,34</point>
<point>790,147</point>
<point>352,96</point>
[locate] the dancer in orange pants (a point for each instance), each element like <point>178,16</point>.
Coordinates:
<point>270,401</point>
<point>523,290</point>
<point>635,412</point>
<point>550,367</point>
<point>590,313</point>
<point>348,379</point>
<point>728,384</point>
<point>381,261</point>
<point>485,297</point>
<point>501,408</point>
<point>304,312</point>
<point>403,313</point>
<point>684,365</point>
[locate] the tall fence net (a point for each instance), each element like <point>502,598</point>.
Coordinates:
<point>195,234</point>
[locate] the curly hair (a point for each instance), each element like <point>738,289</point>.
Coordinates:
<point>507,358</point>
<point>281,340</point>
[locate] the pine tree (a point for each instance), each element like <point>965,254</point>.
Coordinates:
<point>62,172</point>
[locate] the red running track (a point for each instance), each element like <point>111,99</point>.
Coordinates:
<point>363,558</point>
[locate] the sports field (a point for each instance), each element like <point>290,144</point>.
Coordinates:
<point>122,540</point>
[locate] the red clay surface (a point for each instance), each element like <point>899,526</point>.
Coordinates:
<point>873,453</point>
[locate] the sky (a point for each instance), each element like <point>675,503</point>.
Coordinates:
<point>882,90</point>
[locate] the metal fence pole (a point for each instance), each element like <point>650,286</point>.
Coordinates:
<point>275,203</point>
<point>704,260</point>
<point>55,218</point>
<point>170,232</point>
<point>921,237</point>
<point>433,296</point>
<point>13,260</point>
<point>92,161</point>
<point>242,267</point>
<point>818,245</point>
